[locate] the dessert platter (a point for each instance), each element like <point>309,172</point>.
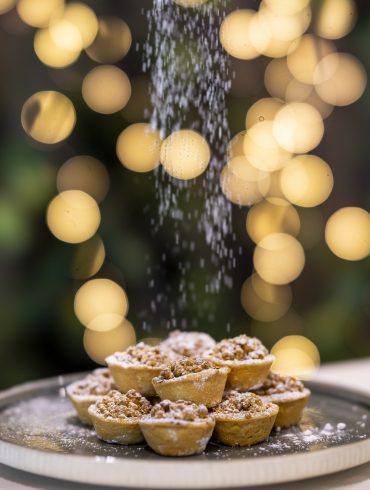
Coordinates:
<point>187,413</point>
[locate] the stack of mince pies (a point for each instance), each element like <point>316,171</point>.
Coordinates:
<point>179,394</point>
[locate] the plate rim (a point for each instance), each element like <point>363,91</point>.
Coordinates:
<point>204,474</point>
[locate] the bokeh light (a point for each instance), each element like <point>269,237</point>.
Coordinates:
<point>340,79</point>
<point>185,154</point>
<point>279,258</point>
<point>274,215</point>
<point>277,77</point>
<point>88,259</point>
<point>101,304</point>
<point>263,110</point>
<point>262,148</point>
<point>347,233</point>
<point>100,345</point>
<point>263,301</point>
<point>38,13</point>
<point>302,62</point>
<point>48,117</point>
<point>295,355</point>
<point>336,18</point>
<point>307,181</point>
<point>190,3</point>
<point>6,5</point>
<point>73,216</point>
<point>287,7</point>
<point>281,27</point>
<point>138,147</point>
<point>242,183</point>
<point>59,45</point>
<point>84,173</point>
<point>298,127</point>
<point>84,18</point>
<point>106,89</point>
<point>112,42</point>
<point>235,35</point>
<point>235,146</point>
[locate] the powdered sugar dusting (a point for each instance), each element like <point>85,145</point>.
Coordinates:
<point>47,421</point>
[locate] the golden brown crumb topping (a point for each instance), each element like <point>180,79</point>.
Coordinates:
<point>180,410</point>
<point>276,384</point>
<point>246,404</point>
<point>189,344</point>
<point>239,348</point>
<point>149,355</point>
<point>98,383</point>
<point>123,406</point>
<point>184,366</point>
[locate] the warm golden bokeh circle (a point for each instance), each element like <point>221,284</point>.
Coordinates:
<point>242,183</point>
<point>185,154</point>
<point>100,345</point>
<point>6,5</point>
<point>295,355</point>
<point>336,18</point>
<point>262,149</point>
<point>302,62</point>
<point>59,45</point>
<point>274,215</point>
<point>73,216</point>
<point>84,18</point>
<point>340,79</point>
<point>101,304</point>
<point>38,13</point>
<point>88,259</point>
<point>189,3</point>
<point>298,127</point>
<point>112,42</point>
<point>138,147</point>
<point>263,110</point>
<point>263,301</point>
<point>48,117</point>
<point>307,181</point>
<point>279,258</point>
<point>347,233</point>
<point>235,146</point>
<point>84,173</point>
<point>106,89</point>
<point>235,34</point>
<point>287,7</point>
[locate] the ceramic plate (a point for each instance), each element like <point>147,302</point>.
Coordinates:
<point>39,433</point>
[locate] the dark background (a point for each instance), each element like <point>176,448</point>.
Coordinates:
<point>39,334</point>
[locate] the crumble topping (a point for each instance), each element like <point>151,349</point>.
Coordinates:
<point>98,383</point>
<point>189,344</point>
<point>123,406</point>
<point>184,366</point>
<point>275,384</point>
<point>149,355</point>
<point>246,404</point>
<point>239,348</point>
<point>180,410</point>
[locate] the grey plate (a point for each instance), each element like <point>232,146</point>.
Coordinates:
<point>38,416</point>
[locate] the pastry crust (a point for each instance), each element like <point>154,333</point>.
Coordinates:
<point>288,393</point>
<point>137,366</point>
<point>290,411</point>
<point>245,426</point>
<point>170,438</point>
<point>205,387</point>
<point>177,428</point>
<point>245,374</point>
<point>87,391</point>
<point>246,357</point>
<point>137,378</point>
<point>115,429</point>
